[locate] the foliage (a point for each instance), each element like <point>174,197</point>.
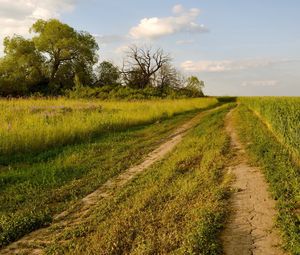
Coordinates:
<point>119,92</point>
<point>195,85</point>
<point>64,46</point>
<point>49,62</point>
<point>22,68</point>
<point>107,74</point>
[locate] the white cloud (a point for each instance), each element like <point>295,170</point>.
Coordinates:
<point>226,65</point>
<point>17,16</point>
<point>183,21</point>
<point>260,83</point>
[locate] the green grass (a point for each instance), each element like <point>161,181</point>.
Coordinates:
<point>282,116</point>
<point>177,206</point>
<point>34,189</point>
<point>29,125</point>
<point>274,157</point>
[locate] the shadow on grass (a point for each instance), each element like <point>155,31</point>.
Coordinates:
<point>227,99</point>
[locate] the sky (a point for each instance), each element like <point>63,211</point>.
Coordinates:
<point>238,47</point>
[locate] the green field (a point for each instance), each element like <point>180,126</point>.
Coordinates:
<point>54,152</point>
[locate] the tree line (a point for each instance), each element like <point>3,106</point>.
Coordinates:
<point>59,60</point>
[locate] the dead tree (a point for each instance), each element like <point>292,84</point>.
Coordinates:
<point>141,65</point>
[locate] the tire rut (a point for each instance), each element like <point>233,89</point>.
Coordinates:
<point>250,227</point>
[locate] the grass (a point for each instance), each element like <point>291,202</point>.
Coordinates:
<point>33,190</point>
<point>177,206</point>
<point>281,115</point>
<point>54,152</point>
<point>273,155</point>
<point>30,125</point>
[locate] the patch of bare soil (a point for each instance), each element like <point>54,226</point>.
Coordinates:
<point>37,241</point>
<point>250,227</point>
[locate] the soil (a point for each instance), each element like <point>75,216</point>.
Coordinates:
<point>250,228</point>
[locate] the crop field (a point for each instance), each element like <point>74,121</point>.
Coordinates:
<point>75,176</point>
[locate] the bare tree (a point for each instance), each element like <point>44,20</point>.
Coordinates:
<point>143,63</point>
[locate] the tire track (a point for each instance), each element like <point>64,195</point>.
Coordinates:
<point>250,227</point>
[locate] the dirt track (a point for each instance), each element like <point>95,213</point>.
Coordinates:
<point>35,242</point>
<point>250,228</point>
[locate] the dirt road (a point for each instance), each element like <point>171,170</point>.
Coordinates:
<point>250,228</point>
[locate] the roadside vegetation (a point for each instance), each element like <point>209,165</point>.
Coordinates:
<point>269,127</point>
<point>29,126</point>
<point>177,206</point>
<point>282,117</point>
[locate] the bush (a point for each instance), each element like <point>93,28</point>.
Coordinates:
<point>126,93</point>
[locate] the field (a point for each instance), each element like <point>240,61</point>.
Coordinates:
<point>54,152</point>
<point>36,125</point>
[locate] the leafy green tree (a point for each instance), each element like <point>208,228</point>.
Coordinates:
<point>107,74</point>
<point>195,85</point>
<point>66,50</point>
<point>22,68</point>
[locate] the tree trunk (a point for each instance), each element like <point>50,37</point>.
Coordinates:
<point>54,70</point>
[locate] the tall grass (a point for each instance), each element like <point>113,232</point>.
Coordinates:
<point>35,125</point>
<point>282,116</point>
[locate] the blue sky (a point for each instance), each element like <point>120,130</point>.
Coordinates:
<point>237,47</point>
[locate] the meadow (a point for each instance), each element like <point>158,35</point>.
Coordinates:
<point>36,125</point>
